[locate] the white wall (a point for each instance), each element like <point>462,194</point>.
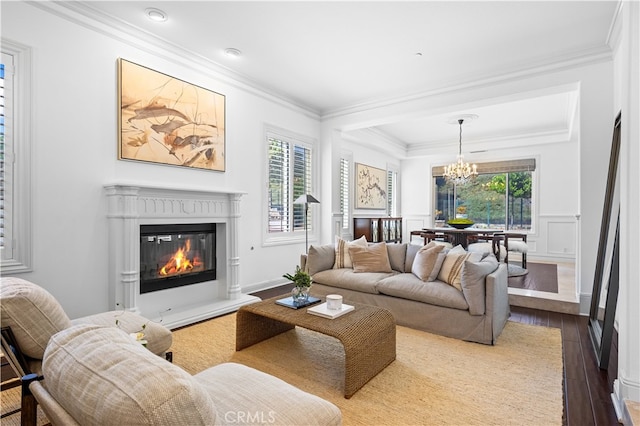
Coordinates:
<point>627,100</point>
<point>75,154</point>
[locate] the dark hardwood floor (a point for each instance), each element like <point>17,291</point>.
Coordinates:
<point>587,389</point>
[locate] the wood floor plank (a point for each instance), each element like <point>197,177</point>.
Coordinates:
<point>579,411</point>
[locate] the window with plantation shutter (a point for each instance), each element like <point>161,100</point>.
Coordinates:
<point>15,188</point>
<point>344,191</point>
<point>392,178</point>
<point>2,156</point>
<point>290,175</point>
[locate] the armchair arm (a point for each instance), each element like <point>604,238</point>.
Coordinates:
<point>34,393</point>
<point>497,299</point>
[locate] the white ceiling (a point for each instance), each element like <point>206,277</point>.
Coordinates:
<point>333,56</point>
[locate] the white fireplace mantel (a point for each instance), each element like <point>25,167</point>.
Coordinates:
<point>128,207</point>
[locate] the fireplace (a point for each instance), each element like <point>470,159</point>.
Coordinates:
<point>205,222</point>
<point>175,255</point>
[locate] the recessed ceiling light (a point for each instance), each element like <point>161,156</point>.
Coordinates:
<point>232,52</point>
<point>155,15</point>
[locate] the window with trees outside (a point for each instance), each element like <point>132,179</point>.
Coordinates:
<point>290,176</point>
<point>500,197</point>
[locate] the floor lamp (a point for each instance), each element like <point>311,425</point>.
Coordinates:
<point>306,199</point>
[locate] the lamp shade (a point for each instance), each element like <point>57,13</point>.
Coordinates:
<point>305,198</point>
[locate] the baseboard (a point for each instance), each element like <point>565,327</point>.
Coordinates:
<point>264,285</point>
<point>627,411</point>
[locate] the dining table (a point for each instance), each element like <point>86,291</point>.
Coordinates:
<point>459,236</point>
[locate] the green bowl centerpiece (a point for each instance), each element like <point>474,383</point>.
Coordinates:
<point>460,223</point>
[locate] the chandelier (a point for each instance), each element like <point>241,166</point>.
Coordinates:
<point>460,172</point>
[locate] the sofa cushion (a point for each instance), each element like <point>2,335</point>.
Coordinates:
<point>343,259</point>
<point>364,282</point>
<point>33,314</point>
<point>244,395</point>
<point>100,375</point>
<point>371,258</point>
<point>408,286</point>
<point>474,275</point>
<point>412,250</point>
<point>397,254</point>
<point>452,265</point>
<point>320,258</point>
<point>428,262</point>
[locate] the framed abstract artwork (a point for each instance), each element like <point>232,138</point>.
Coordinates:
<point>371,187</point>
<point>162,119</point>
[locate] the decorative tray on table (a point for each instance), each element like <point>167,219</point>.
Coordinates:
<point>289,303</point>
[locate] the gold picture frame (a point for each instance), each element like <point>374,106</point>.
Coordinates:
<point>371,187</point>
<point>162,119</point>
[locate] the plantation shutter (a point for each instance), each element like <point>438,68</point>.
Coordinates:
<point>344,192</point>
<point>391,192</point>
<point>279,213</point>
<point>2,169</point>
<point>301,184</point>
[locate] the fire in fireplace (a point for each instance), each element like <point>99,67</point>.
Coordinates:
<point>176,255</point>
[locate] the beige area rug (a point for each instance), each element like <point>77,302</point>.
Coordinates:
<point>433,381</point>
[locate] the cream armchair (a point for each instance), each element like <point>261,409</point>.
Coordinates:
<point>33,315</point>
<point>96,375</point>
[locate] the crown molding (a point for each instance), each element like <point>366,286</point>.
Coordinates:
<point>497,143</point>
<point>556,63</point>
<point>376,139</point>
<point>82,13</point>
<point>91,18</point>
<point>615,29</point>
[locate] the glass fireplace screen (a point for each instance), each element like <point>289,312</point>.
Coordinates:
<point>176,255</point>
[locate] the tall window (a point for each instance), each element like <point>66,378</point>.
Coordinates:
<point>392,185</point>
<point>15,186</point>
<point>2,155</point>
<point>499,198</point>
<point>290,175</point>
<point>345,173</point>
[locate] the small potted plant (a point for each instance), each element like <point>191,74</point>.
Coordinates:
<point>302,283</point>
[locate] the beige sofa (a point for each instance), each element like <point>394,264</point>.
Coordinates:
<point>439,290</point>
<point>95,375</point>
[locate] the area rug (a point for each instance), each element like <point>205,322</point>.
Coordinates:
<point>433,381</point>
<point>540,277</point>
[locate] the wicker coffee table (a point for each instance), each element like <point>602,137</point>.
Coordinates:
<point>368,335</point>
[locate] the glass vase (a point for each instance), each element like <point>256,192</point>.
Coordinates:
<point>300,295</point>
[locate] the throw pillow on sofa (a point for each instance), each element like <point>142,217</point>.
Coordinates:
<point>428,261</point>
<point>473,279</point>
<point>320,258</point>
<point>452,265</point>
<point>397,255</point>
<point>371,258</point>
<point>343,259</point>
